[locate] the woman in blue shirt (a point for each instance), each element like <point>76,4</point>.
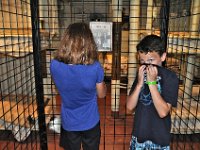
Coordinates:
<point>79,78</point>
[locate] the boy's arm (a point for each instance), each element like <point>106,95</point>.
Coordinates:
<point>161,106</point>
<point>132,99</point>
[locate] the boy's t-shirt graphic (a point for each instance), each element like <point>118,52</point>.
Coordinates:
<point>145,95</point>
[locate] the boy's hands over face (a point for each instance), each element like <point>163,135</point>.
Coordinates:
<point>152,73</point>
<point>141,75</point>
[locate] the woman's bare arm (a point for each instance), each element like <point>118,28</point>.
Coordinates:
<point>101,89</point>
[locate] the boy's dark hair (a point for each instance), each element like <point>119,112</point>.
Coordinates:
<point>151,43</point>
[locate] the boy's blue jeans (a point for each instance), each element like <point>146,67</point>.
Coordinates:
<point>147,145</point>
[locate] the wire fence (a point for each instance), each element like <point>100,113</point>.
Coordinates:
<point>30,32</point>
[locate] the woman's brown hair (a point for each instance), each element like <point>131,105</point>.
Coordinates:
<point>77,45</point>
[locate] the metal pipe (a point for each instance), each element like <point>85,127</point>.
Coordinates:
<point>194,26</point>
<point>116,57</point>
<point>189,77</point>
<point>133,40</point>
<point>38,73</point>
<point>149,22</point>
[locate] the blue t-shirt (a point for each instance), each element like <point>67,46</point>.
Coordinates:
<point>147,123</point>
<point>77,87</point>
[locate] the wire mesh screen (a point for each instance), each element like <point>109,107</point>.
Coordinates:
<point>17,90</point>
<point>24,69</point>
<point>183,51</point>
<point>18,99</point>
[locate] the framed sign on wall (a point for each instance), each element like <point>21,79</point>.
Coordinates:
<point>102,32</point>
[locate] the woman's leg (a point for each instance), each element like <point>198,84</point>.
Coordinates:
<point>70,140</point>
<point>91,138</point>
